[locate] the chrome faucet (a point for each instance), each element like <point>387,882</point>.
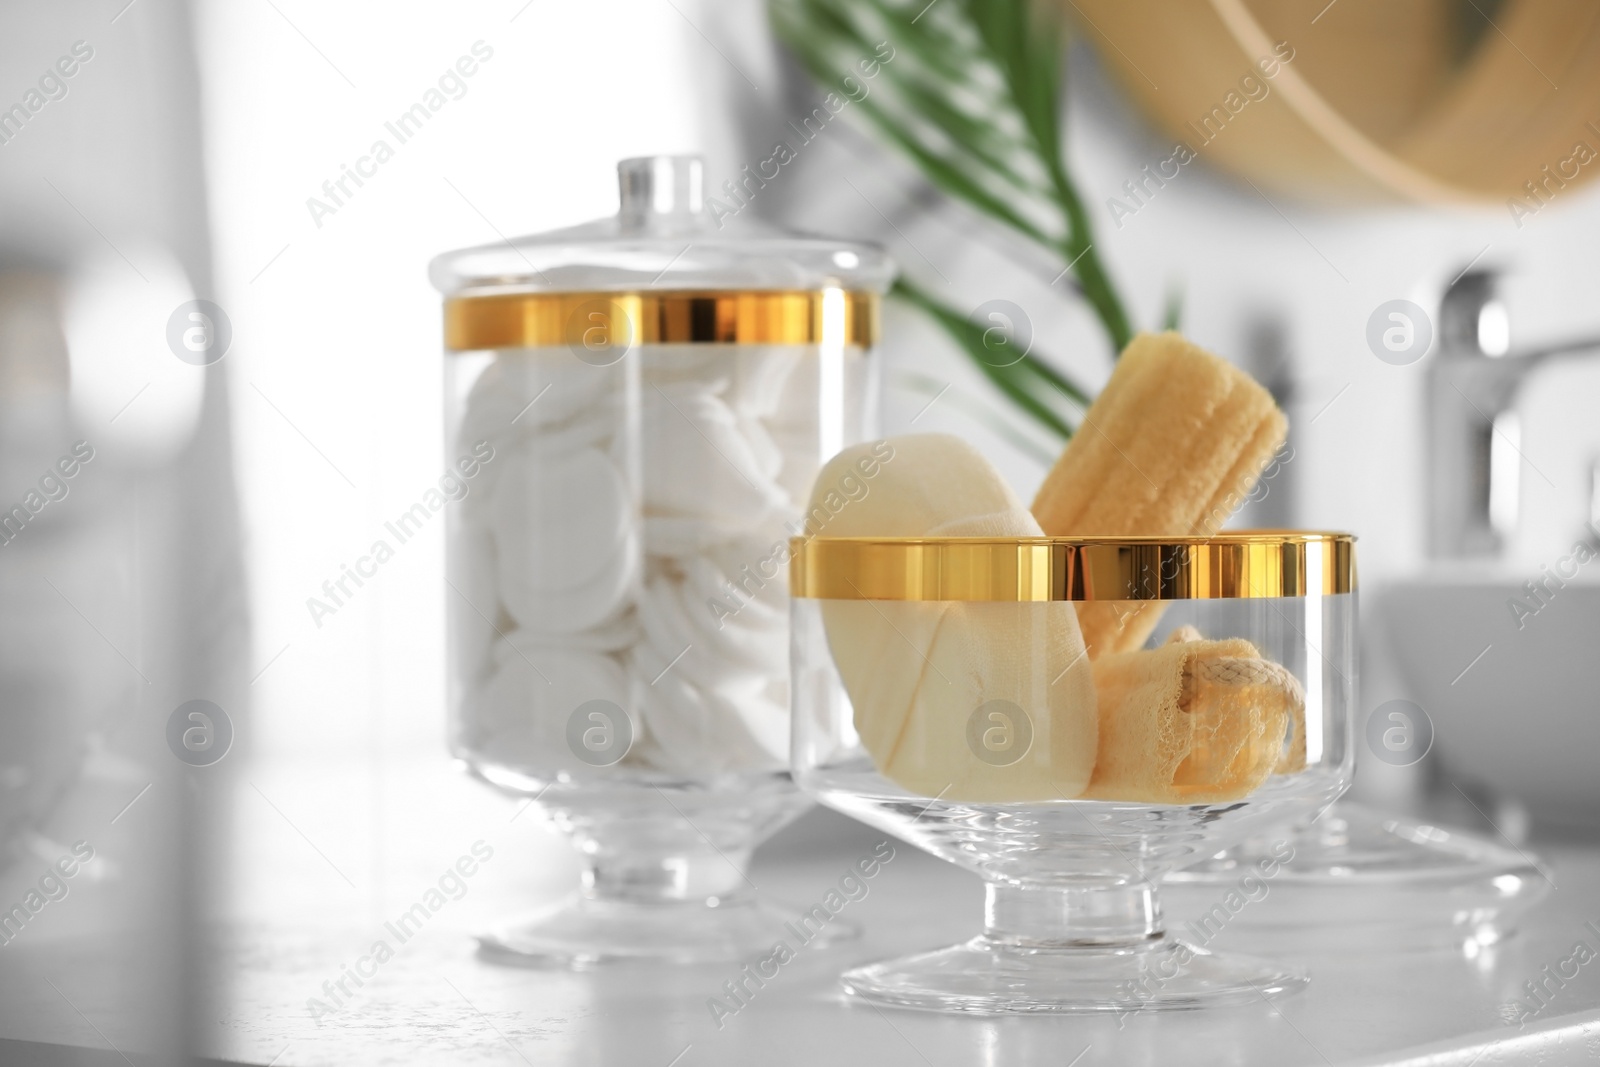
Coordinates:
<point>1474,431</point>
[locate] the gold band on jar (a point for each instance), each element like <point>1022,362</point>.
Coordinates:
<point>602,320</point>
<point>1245,563</point>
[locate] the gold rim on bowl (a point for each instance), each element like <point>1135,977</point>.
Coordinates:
<point>1232,565</point>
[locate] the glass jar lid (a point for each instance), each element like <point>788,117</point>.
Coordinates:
<point>669,236</point>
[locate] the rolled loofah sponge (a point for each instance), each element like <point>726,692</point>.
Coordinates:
<point>1174,443</point>
<point>1194,722</point>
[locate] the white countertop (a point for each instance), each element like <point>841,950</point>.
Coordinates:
<point>335,854</point>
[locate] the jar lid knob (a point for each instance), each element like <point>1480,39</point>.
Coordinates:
<point>656,186</point>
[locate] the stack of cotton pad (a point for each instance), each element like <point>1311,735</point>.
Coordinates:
<point>617,550</point>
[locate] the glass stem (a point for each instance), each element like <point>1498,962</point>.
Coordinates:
<point>1126,914</point>
<point>704,878</point>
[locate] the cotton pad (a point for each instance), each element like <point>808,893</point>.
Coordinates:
<point>745,624</point>
<point>566,541</point>
<point>472,601</point>
<point>697,463</point>
<point>521,714</point>
<point>558,522</point>
<point>699,731</point>
<point>525,391</point>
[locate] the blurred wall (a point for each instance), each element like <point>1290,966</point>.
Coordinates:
<point>123,596</point>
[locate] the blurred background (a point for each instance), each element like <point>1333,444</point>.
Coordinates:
<point>234,348</point>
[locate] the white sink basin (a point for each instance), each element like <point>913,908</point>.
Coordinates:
<point>1515,702</point>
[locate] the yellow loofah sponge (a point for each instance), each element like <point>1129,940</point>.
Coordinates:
<point>1194,722</point>
<point>1174,443</point>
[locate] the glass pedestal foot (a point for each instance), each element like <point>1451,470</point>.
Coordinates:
<point>1067,950</point>
<point>987,977</point>
<point>689,907</point>
<point>584,930</point>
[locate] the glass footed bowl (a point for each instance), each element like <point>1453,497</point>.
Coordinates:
<point>1352,878</point>
<point>942,693</point>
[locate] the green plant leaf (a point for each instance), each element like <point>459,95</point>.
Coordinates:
<point>973,96</point>
<point>1049,397</point>
<point>1172,314</point>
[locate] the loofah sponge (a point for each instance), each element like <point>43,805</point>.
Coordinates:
<point>1174,443</point>
<point>1020,669</point>
<point>920,673</point>
<point>1194,722</point>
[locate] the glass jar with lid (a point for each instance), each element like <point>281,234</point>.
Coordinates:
<point>636,408</point>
